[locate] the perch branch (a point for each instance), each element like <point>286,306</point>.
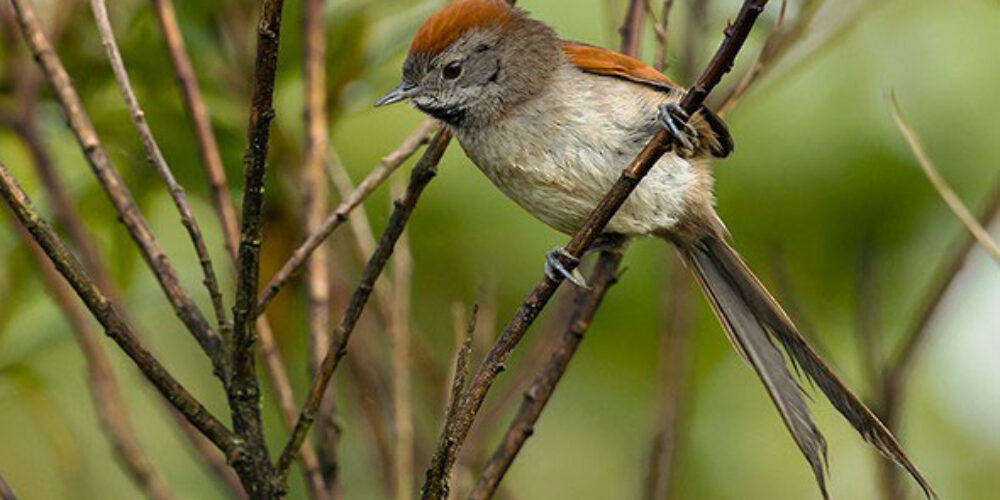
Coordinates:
<point>423,172</point>
<point>106,33</point>
<point>537,396</point>
<point>115,188</point>
<point>736,34</point>
<point>115,327</point>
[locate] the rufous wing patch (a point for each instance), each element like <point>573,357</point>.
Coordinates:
<point>609,63</point>
<point>447,25</point>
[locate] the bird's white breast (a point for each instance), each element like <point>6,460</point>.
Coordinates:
<point>559,153</point>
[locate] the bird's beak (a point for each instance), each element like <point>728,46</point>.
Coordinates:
<point>401,93</point>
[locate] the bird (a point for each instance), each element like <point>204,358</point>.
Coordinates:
<point>553,123</point>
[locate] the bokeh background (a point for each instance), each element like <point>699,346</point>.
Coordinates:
<point>821,181</point>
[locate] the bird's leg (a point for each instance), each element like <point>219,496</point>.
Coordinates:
<point>553,265</point>
<point>685,136</point>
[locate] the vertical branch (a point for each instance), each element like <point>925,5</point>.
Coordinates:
<point>114,186</point>
<point>672,376</point>
<point>402,404</point>
<point>423,172</point>
<point>208,149</point>
<point>661,27</point>
<point>244,394</point>
<point>159,163</point>
<point>452,439</point>
<point>537,396</point>
<point>102,382</point>
<point>631,29</point>
<point>315,195</point>
<point>107,314</point>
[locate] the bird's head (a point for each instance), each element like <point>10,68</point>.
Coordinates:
<point>473,60</point>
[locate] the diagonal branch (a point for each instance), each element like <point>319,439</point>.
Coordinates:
<point>451,441</point>
<point>115,188</point>
<point>537,396</point>
<point>423,172</point>
<point>159,163</point>
<point>6,493</point>
<point>385,168</point>
<point>107,314</point>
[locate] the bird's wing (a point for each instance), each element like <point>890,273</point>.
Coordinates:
<point>605,62</point>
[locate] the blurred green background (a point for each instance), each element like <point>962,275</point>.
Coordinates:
<point>819,179</point>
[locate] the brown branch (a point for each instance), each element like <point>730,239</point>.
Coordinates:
<point>208,149</point>
<point>399,330</point>
<point>315,195</point>
<point>735,35</point>
<point>111,409</point>
<point>464,335</point>
<point>963,214</point>
<point>115,188</point>
<point>386,167</point>
<point>661,28</point>
<point>107,314</point>
<point>631,29</point>
<point>423,172</point>
<point>672,375</point>
<point>155,156</point>
<point>537,396</point>
<point>254,467</point>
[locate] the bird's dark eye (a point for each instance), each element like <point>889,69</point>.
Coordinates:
<point>452,70</point>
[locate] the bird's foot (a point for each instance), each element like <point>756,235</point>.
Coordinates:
<point>553,266</point>
<point>676,121</point>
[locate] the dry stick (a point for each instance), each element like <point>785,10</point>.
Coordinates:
<point>208,148</point>
<point>493,365</point>
<point>631,29</point>
<point>672,373</point>
<point>107,314</point>
<point>103,385</point>
<point>255,467</point>
<point>940,185</point>
<point>537,396</point>
<point>315,196</point>
<point>423,172</point>
<point>386,167</point>
<point>155,156</point>
<point>115,188</point>
<point>399,329</point>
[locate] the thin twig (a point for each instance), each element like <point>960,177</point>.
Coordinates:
<point>423,172</point>
<point>672,377</point>
<point>115,188</point>
<point>208,148</point>
<point>399,330</point>
<point>107,314</point>
<point>315,198</point>
<point>661,28</point>
<point>386,167</point>
<point>464,334</point>
<point>103,384</point>
<point>535,398</point>
<point>526,314</point>
<point>155,156</point>
<point>940,185</point>
<point>6,493</point>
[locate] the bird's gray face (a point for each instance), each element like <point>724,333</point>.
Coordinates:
<point>460,85</point>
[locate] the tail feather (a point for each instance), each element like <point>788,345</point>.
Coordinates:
<point>752,318</point>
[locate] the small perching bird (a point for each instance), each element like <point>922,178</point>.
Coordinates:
<point>553,123</point>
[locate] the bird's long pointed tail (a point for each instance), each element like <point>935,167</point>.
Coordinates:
<point>753,319</point>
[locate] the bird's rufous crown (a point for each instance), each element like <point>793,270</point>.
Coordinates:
<point>447,25</point>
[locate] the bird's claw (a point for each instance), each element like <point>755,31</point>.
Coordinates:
<point>553,266</point>
<point>670,116</point>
